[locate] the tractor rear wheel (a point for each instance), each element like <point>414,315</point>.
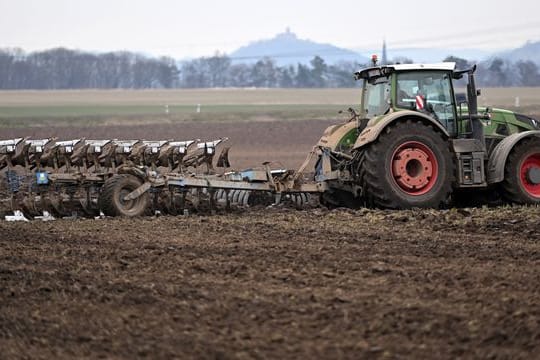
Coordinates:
<point>113,192</point>
<point>521,182</point>
<point>408,166</point>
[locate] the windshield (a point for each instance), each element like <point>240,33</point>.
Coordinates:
<point>435,89</point>
<point>376,97</point>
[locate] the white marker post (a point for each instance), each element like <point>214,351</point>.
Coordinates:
<point>516,104</point>
<point>198,108</point>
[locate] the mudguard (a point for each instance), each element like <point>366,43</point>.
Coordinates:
<point>334,134</point>
<point>372,132</point>
<point>497,159</point>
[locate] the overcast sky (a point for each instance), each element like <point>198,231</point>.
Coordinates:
<point>193,28</point>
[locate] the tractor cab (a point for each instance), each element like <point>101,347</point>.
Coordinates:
<point>427,89</point>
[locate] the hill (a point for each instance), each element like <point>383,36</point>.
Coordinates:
<point>529,51</point>
<point>287,49</point>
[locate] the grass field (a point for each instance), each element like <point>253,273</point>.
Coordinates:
<point>114,107</point>
<point>106,107</point>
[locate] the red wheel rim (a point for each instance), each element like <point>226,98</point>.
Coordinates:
<point>532,161</point>
<point>414,168</point>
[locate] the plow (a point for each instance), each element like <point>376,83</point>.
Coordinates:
<point>86,178</point>
<point>415,142</point>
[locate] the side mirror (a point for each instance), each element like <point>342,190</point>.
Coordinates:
<point>478,92</point>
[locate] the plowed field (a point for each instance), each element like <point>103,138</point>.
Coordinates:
<point>252,142</point>
<point>275,283</point>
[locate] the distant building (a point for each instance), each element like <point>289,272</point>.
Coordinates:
<point>384,59</point>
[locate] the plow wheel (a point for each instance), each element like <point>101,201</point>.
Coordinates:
<point>111,199</point>
<point>521,182</point>
<point>409,165</point>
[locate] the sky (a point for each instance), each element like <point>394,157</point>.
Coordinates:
<point>184,29</point>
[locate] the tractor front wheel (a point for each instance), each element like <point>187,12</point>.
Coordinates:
<point>521,182</point>
<point>112,198</point>
<point>409,165</point>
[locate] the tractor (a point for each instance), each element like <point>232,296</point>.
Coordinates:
<point>416,142</point>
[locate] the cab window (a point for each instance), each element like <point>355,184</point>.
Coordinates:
<point>376,97</point>
<point>435,90</point>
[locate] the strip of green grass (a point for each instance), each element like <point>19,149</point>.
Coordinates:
<point>75,111</point>
<point>124,115</point>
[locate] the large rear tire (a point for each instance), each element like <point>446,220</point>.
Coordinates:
<point>409,165</point>
<point>111,199</point>
<point>521,182</point>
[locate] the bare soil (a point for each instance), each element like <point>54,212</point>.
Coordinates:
<point>275,283</point>
<point>287,142</point>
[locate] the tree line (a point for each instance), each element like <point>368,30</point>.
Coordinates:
<point>221,71</point>
<point>498,72</point>
<point>69,69</point>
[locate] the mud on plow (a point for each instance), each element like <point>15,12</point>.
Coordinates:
<point>88,178</point>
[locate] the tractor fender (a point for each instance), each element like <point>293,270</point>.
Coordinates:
<point>497,159</point>
<point>334,134</point>
<point>372,131</point>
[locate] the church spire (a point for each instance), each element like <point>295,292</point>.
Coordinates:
<point>384,60</point>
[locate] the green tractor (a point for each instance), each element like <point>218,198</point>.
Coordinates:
<point>416,143</point>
